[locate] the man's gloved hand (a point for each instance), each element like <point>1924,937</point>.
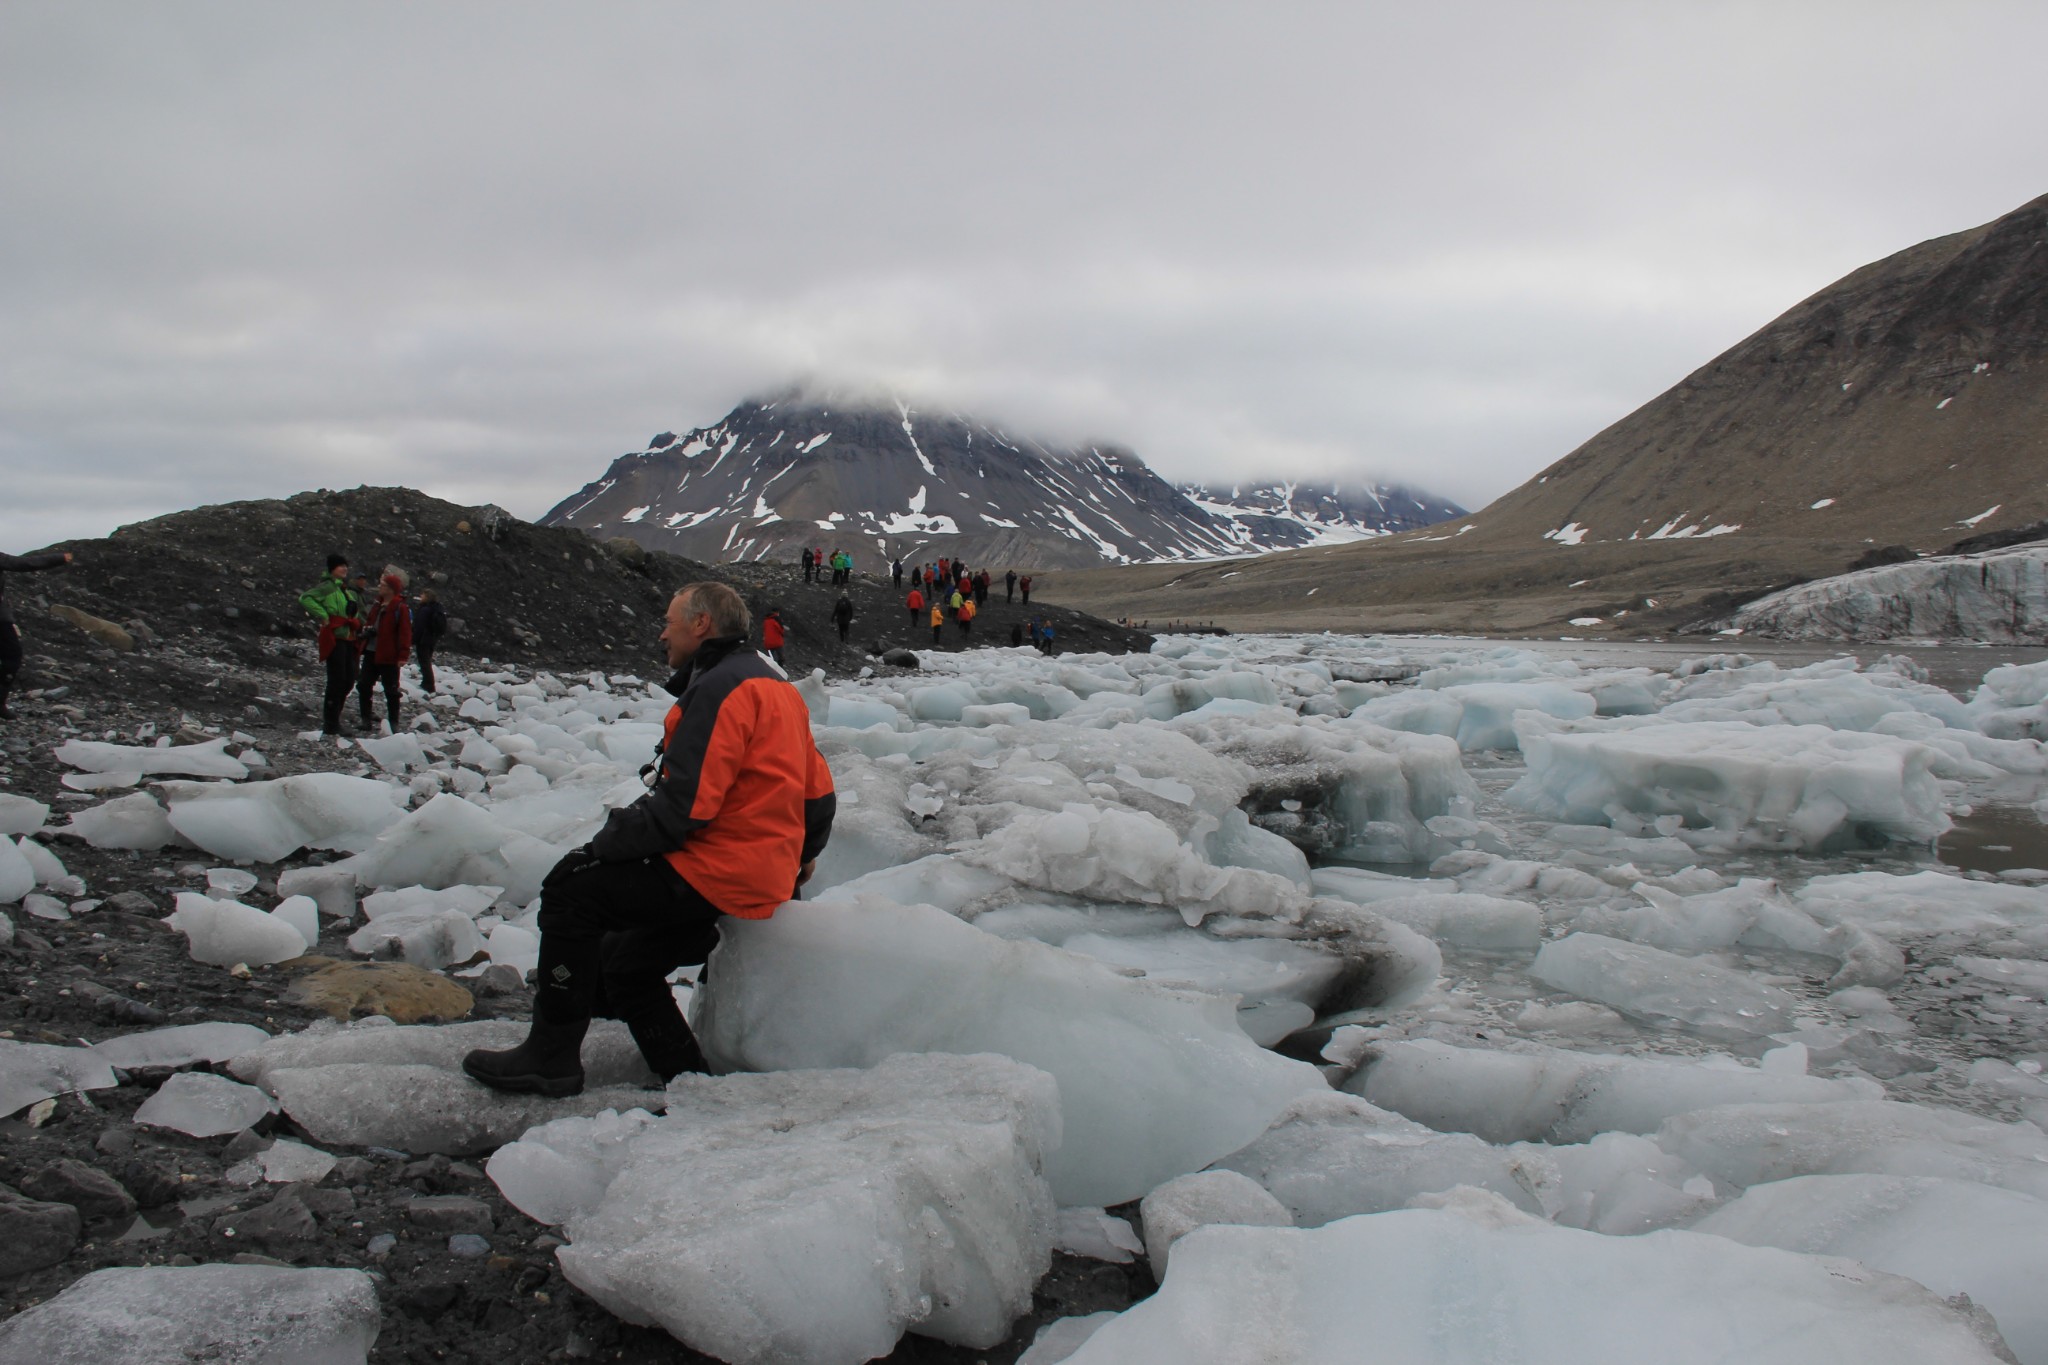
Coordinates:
<point>803,874</point>
<point>573,863</point>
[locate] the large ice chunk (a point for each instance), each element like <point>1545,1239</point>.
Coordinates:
<point>264,822</point>
<point>17,876</point>
<point>913,1191</point>
<point>190,760</point>
<point>1953,1236</point>
<point>1546,1094</point>
<point>35,1071</point>
<point>174,1315</point>
<point>1153,1082</point>
<point>451,842</point>
<point>1781,786</point>
<point>1743,1144</point>
<point>21,814</point>
<point>227,932</point>
<point>202,1104</point>
<point>1188,1202</point>
<point>1664,988</point>
<point>1478,1281</point>
<point>559,1169</point>
<point>180,1045</point>
<point>379,1084</point>
<point>132,821</point>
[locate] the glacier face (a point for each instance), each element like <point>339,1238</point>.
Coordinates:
<point>1998,597</point>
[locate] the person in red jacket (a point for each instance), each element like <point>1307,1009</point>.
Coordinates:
<point>739,808</point>
<point>916,604</point>
<point>386,642</point>
<point>772,635</point>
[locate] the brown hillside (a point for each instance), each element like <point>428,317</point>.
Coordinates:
<point>1911,397</point>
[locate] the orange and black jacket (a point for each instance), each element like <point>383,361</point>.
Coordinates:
<point>742,798</point>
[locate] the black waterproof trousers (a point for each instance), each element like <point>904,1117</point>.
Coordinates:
<point>611,934</point>
<point>341,680</point>
<point>366,691</point>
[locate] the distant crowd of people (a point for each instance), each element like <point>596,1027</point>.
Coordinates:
<point>368,633</point>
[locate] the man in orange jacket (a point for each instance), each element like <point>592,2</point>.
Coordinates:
<point>739,807</point>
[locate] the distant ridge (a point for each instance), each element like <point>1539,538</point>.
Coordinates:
<point>777,474</point>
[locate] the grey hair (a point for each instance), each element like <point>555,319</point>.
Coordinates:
<point>726,608</point>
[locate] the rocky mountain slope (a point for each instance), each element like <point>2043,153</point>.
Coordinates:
<point>781,473</point>
<point>1287,514</point>
<point>199,609</point>
<point>1904,405</point>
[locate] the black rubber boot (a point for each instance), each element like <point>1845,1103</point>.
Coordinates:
<point>667,1043</point>
<point>549,1062</point>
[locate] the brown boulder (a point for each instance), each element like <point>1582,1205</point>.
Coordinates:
<point>397,990</point>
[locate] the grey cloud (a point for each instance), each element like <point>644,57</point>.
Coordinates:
<point>481,248</point>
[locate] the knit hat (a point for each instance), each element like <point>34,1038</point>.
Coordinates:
<point>336,562</point>
<point>395,583</point>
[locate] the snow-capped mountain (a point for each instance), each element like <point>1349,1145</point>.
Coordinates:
<point>1287,513</point>
<point>782,473</point>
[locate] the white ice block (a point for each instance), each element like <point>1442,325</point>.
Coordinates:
<point>1479,1281</point>
<point>1740,1145</point>
<point>224,933</point>
<point>1546,1094</point>
<point>1153,1082</point>
<point>1782,786</point>
<point>132,821</point>
<point>1664,988</point>
<point>174,1315</point>
<point>180,1045</point>
<point>209,759</point>
<point>35,1071</point>
<point>1187,1202</point>
<point>21,814</point>
<point>17,876</point>
<point>202,1104</point>
<point>264,822</point>
<point>913,1189</point>
<point>1954,1236</point>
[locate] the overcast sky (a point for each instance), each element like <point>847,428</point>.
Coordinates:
<point>481,249</point>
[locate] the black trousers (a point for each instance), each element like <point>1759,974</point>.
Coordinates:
<point>610,935</point>
<point>10,658</point>
<point>425,654</point>
<point>366,689</point>
<point>341,680</point>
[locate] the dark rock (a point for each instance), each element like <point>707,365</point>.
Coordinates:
<point>34,1234</point>
<point>1880,555</point>
<point>152,1185</point>
<point>329,1203</point>
<point>285,1218</point>
<point>94,1193</point>
<point>354,1170</point>
<point>120,1009</point>
<point>450,1213</point>
<point>244,1144</point>
<point>115,1142</point>
<point>899,658</point>
<point>427,1300</point>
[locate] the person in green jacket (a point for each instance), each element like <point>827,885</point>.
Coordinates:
<point>338,609</point>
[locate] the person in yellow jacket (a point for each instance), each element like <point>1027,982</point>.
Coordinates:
<point>938,622</point>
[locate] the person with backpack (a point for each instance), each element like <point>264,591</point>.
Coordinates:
<point>11,657</point>
<point>938,624</point>
<point>953,602</point>
<point>967,610</point>
<point>772,634</point>
<point>916,604</point>
<point>810,563</point>
<point>1024,586</point>
<point>842,616</point>
<point>386,642</point>
<point>981,588</point>
<point>335,606</point>
<point>1016,634</point>
<point>429,624</point>
<point>896,574</point>
<point>1010,586</point>
<point>1045,635</point>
